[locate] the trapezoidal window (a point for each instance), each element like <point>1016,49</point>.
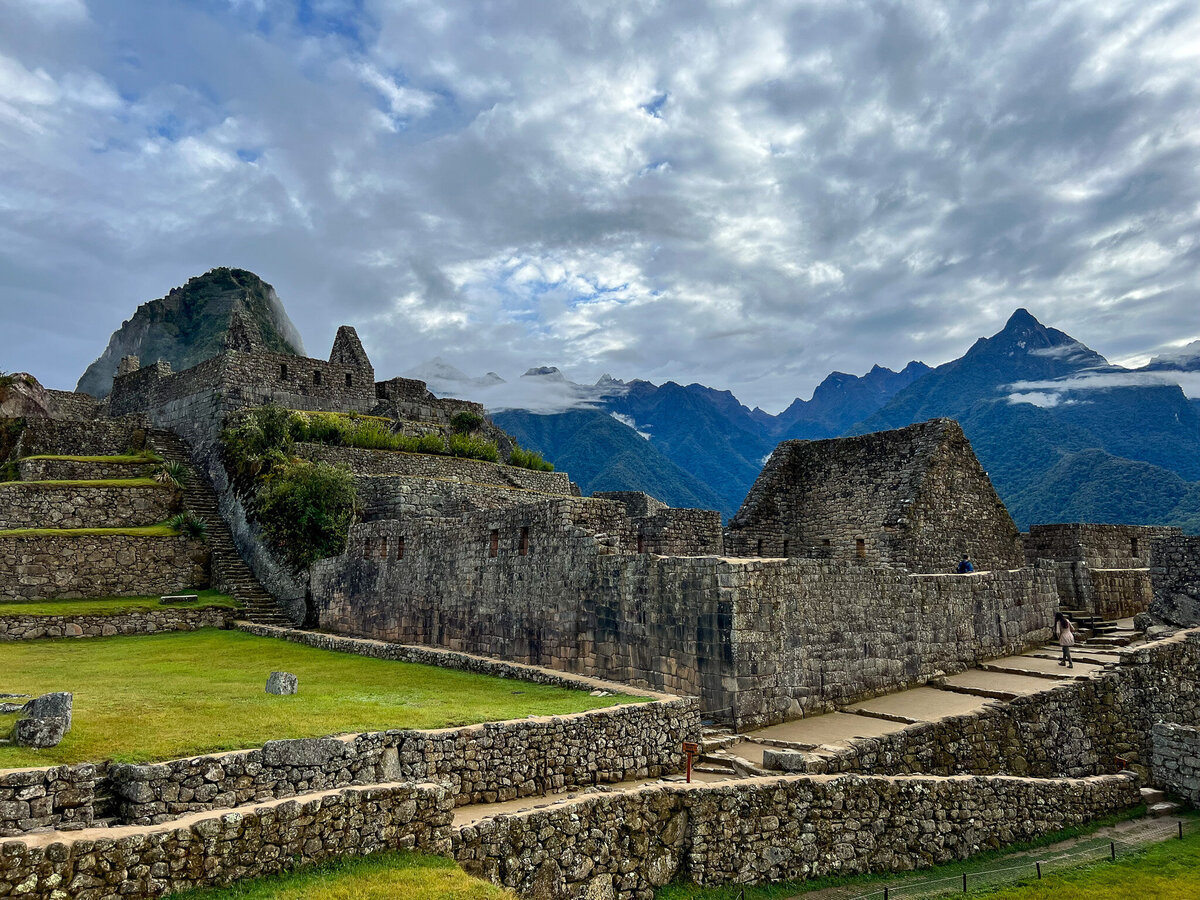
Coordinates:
<point>494,544</point>
<point>785,547</point>
<point>400,547</point>
<point>283,373</point>
<point>641,543</point>
<point>316,378</point>
<point>349,380</point>
<point>860,548</point>
<point>1133,547</point>
<point>758,552</point>
<point>523,547</point>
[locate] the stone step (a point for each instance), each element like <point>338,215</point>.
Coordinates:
<point>1151,796</point>
<point>1164,808</point>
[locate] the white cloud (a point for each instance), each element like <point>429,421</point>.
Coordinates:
<point>632,423</point>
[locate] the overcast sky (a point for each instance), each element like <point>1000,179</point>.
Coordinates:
<point>748,195</point>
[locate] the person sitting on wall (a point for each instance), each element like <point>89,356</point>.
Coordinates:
<point>965,565</point>
<point>1065,632</point>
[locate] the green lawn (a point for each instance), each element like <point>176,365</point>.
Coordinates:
<point>180,694</point>
<point>122,458</point>
<point>385,876</point>
<point>109,606</point>
<point>1166,871</point>
<point>94,482</point>
<point>160,530</point>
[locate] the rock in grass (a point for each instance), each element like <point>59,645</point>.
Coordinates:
<point>41,732</point>
<point>55,705</point>
<point>282,683</point>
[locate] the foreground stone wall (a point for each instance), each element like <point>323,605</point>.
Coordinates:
<point>265,840</point>
<point>93,437</point>
<point>560,584</point>
<point>147,621</point>
<point>60,797</point>
<point>1175,575</point>
<point>473,471</point>
<point>1175,764</point>
<point>35,469</point>
<point>915,498</point>
<point>626,845</point>
<point>33,505</point>
<point>61,566</point>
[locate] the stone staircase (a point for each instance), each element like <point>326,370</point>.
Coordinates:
<point>1096,633</point>
<point>229,571</point>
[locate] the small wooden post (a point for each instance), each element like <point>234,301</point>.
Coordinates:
<point>1039,868</point>
<point>691,749</point>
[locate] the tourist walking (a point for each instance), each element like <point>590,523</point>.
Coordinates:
<point>1065,632</point>
<point>965,565</point>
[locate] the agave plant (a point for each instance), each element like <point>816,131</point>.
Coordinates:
<point>171,472</point>
<point>189,525</point>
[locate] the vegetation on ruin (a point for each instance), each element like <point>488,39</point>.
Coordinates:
<point>111,606</point>
<point>465,422</point>
<point>98,482</point>
<point>144,531</point>
<point>529,459</point>
<point>187,693</point>
<point>143,458</point>
<point>189,525</point>
<point>382,876</point>
<point>305,510</point>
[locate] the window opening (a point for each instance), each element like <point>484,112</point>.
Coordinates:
<point>523,548</point>
<point>283,372</point>
<point>494,549</point>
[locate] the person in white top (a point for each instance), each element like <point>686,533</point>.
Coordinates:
<point>1065,632</point>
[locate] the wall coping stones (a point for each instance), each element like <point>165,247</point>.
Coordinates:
<point>27,627</point>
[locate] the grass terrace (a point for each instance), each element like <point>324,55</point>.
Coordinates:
<point>148,531</point>
<point>94,482</point>
<point>120,459</point>
<point>384,876</point>
<point>155,697</point>
<point>111,606</point>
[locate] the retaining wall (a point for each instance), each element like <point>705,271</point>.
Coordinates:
<point>45,567</point>
<point>1175,573</point>
<point>61,797</point>
<point>1175,764</point>
<point>215,850</point>
<point>624,846</point>
<point>93,437</point>
<point>15,627</point>
<point>33,505</point>
<point>35,469</point>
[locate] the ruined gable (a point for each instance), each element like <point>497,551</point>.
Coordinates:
<point>915,498</point>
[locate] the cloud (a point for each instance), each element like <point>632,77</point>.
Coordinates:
<point>664,191</point>
<point>540,390</point>
<point>1093,381</point>
<point>632,423</point>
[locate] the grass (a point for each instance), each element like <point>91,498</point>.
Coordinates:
<point>787,889</point>
<point>162,530</point>
<point>383,876</point>
<point>95,482</point>
<point>163,696</point>
<point>1165,871</point>
<point>121,458</point>
<point>111,606</point>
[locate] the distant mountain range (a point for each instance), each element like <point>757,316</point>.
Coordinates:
<point>1064,434</point>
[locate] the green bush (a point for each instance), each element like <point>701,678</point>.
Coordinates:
<point>188,525</point>
<point>529,459</point>
<point>305,510</point>
<point>172,472</point>
<point>471,447</point>
<point>465,422</point>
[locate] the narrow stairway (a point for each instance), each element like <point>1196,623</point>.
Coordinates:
<point>229,571</point>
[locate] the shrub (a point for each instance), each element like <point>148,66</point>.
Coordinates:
<point>529,459</point>
<point>465,422</point>
<point>189,525</point>
<point>472,447</point>
<point>431,443</point>
<point>172,472</point>
<point>306,509</point>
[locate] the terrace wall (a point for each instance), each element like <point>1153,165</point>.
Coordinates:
<point>26,504</point>
<point>35,469</point>
<point>59,797</point>
<point>95,437</point>
<point>1176,579</point>
<point>626,845</point>
<point>268,839</point>
<point>65,565</point>
<point>16,627</point>
<point>1175,764</point>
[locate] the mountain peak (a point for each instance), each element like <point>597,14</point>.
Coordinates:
<point>1021,320</point>
<point>551,373</point>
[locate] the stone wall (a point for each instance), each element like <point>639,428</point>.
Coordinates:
<point>1088,727</point>
<point>1175,574</point>
<point>1175,763</point>
<point>409,399</point>
<point>560,584</point>
<point>626,845</point>
<point>914,498</point>
<point>35,469</point>
<point>447,468</point>
<point>61,566</point>
<point>25,504</point>
<point>149,621</point>
<point>96,437</point>
<point>1102,569</point>
<point>264,840</point>
<point>60,797</point>
<point>405,496</point>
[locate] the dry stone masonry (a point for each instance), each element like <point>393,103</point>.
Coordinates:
<point>17,627</point>
<point>39,505</point>
<point>1175,574</point>
<point>60,797</point>
<point>1175,764</point>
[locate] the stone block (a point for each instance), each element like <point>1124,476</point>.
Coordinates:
<point>282,683</point>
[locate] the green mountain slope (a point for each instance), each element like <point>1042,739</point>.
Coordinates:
<point>187,326</point>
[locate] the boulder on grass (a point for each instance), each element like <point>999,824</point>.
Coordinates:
<point>282,683</point>
<point>48,706</point>
<point>40,733</point>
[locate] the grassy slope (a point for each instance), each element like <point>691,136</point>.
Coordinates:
<point>386,876</point>
<point>120,459</point>
<point>179,694</point>
<point>93,482</point>
<point>108,606</point>
<point>145,531</point>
